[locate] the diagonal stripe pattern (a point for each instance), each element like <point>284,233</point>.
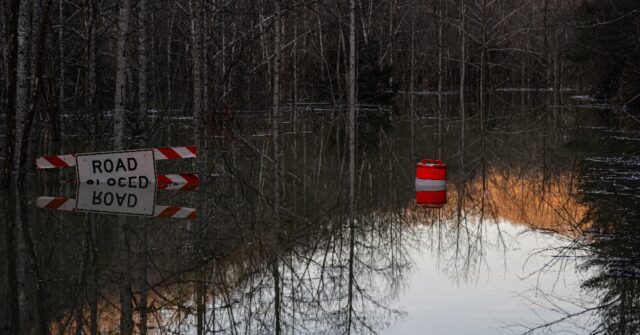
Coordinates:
<point>175,152</point>
<point>184,181</point>
<point>55,162</point>
<point>65,161</point>
<point>66,204</point>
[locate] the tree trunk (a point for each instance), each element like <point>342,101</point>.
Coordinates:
<point>199,74</point>
<point>412,78</point>
<point>126,307</point>
<point>126,304</point>
<point>23,274</point>
<point>201,300</point>
<point>4,42</point>
<point>142,59</point>
<point>93,294</point>
<point>121,80</point>
<point>168,104</point>
<point>440,74</point>
<point>61,70</point>
<point>12,47</point>
<point>23,74</point>
<point>90,103</point>
<point>463,68</point>
<point>275,119</point>
<point>351,84</point>
<point>11,254</point>
<point>91,18</point>
<point>39,47</point>
<point>276,288</point>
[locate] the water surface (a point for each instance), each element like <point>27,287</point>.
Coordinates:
<point>536,234</point>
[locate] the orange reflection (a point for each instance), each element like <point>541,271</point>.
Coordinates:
<point>550,205</point>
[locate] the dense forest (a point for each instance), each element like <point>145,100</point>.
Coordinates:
<point>120,61</point>
<point>308,117</point>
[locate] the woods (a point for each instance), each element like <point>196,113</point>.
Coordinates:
<point>308,117</point>
<point>211,59</point>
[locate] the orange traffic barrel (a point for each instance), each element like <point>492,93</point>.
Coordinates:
<point>431,183</point>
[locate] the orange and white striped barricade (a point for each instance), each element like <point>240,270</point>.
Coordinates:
<point>69,160</point>
<point>68,204</point>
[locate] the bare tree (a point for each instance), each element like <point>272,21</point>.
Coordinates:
<point>23,74</point>
<point>121,79</point>
<point>351,86</point>
<point>12,47</point>
<point>126,307</point>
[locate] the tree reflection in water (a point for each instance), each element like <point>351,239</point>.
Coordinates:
<point>608,252</point>
<point>223,273</point>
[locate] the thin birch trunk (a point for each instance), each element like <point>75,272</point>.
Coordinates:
<point>462,81</point>
<point>12,47</point>
<point>412,78</point>
<point>91,23</point>
<point>23,71</point>
<point>61,70</point>
<point>11,254</point>
<point>200,300</point>
<point>93,294</point>
<point>4,41</point>
<point>198,68</point>
<point>483,65</point>
<point>294,87</point>
<point>126,307</point>
<point>440,75</point>
<point>142,58</point>
<point>351,84</point>
<point>277,303</point>
<point>142,110</point>
<point>12,50</point>
<point>121,80</point>
<point>168,104</point>
<point>392,5</point>
<point>275,119</point>
<point>23,274</point>
<point>39,47</point>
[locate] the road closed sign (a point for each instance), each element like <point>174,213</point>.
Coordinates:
<point>122,182</point>
<point>128,169</point>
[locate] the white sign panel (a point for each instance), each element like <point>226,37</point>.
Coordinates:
<point>108,199</point>
<point>132,169</point>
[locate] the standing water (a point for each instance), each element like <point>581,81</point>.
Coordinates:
<point>537,235</point>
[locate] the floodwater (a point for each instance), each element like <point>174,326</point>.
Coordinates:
<point>538,234</point>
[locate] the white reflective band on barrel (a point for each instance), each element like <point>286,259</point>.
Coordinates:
<point>430,185</point>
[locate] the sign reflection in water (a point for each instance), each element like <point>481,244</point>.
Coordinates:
<point>116,200</point>
<point>123,200</point>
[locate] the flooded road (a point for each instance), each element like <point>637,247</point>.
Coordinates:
<point>499,288</point>
<point>537,235</point>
